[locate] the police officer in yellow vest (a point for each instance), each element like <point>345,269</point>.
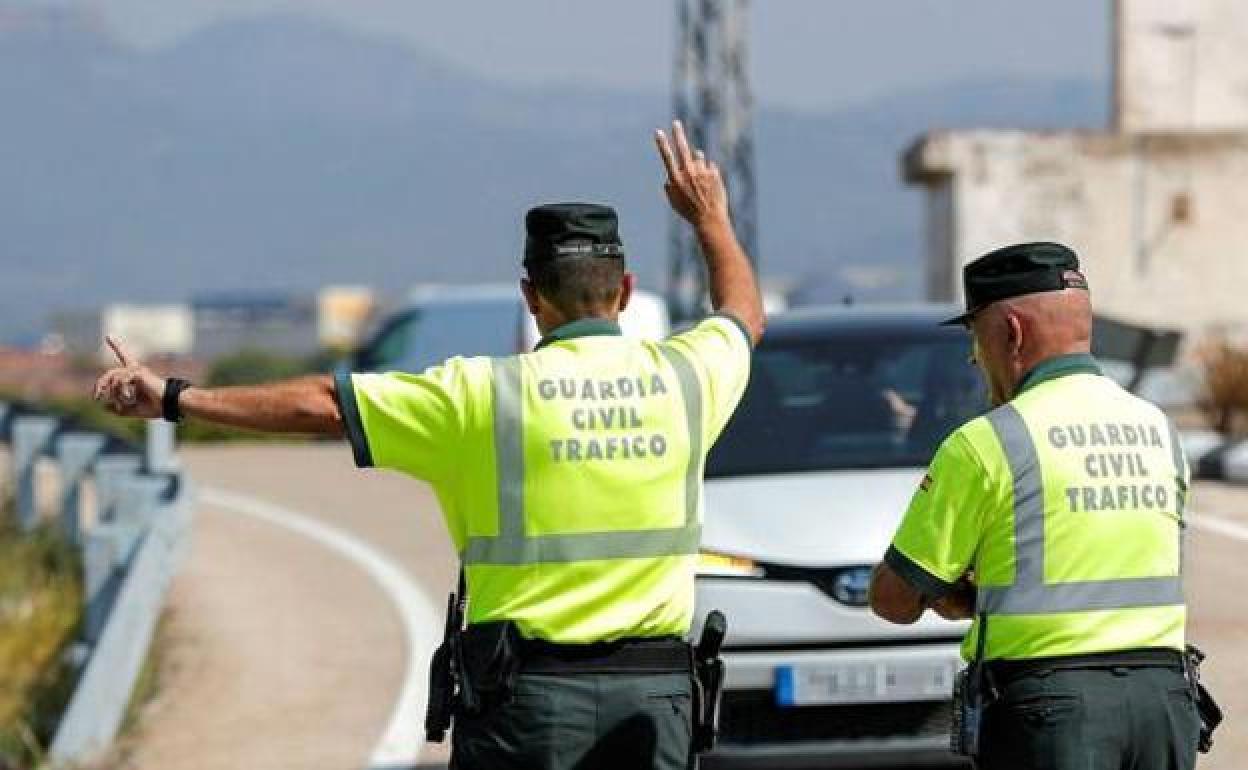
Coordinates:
<point>570,479</point>
<point>1055,521</point>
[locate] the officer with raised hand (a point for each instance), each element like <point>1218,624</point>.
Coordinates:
<point>1055,521</point>
<point>570,479</point>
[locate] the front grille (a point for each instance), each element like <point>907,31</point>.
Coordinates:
<point>847,585</point>
<point>752,716</point>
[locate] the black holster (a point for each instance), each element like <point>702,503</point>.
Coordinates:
<point>708,682</point>
<point>444,672</point>
<point>972,693</point>
<point>969,701</point>
<point>1206,706</point>
<point>489,659</point>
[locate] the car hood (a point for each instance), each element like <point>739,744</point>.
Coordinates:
<point>814,519</point>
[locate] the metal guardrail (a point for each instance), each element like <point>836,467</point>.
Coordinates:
<point>130,552</point>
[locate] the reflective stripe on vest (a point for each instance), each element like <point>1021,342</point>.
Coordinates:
<point>1029,595</point>
<point>513,546</point>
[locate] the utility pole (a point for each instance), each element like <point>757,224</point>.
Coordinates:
<point>711,96</point>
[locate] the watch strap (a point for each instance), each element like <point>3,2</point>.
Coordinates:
<point>169,401</point>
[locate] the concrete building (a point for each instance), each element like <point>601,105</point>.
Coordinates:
<point>219,324</point>
<point>343,314</point>
<point>227,322</point>
<point>148,329</point>
<point>1156,205</point>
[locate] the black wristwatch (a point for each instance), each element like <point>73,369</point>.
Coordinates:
<point>169,401</point>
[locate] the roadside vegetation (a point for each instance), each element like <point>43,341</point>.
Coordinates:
<point>249,367</point>
<point>1225,398</point>
<point>40,610</point>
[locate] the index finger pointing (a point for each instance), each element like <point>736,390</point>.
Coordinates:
<point>665,152</point>
<point>123,354</point>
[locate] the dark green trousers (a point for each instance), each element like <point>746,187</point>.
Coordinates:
<point>581,722</point>
<point>1095,719</point>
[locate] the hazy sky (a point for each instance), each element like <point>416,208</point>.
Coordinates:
<point>805,53</point>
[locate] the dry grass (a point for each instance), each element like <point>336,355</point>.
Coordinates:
<point>40,607</point>
<point>1225,397</point>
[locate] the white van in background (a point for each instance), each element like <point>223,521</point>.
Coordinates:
<point>439,322</point>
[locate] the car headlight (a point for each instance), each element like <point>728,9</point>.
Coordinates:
<point>726,565</point>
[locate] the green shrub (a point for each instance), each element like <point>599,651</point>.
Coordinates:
<point>250,367</point>
<point>40,610</point>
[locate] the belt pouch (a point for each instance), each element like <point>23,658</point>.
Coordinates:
<point>490,659</point>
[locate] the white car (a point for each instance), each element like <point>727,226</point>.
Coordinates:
<point>804,491</point>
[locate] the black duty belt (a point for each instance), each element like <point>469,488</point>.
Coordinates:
<point>665,655</point>
<point>1003,671</point>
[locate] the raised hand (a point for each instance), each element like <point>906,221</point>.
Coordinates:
<point>131,389</point>
<point>694,186</point>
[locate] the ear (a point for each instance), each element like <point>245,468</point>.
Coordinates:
<point>1014,338</point>
<point>627,284</point>
<point>530,296</point>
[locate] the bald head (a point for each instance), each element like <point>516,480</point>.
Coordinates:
<point>1053,322</point>
<point>1013,335</point>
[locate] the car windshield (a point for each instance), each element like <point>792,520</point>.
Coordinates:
<point>855,399</point>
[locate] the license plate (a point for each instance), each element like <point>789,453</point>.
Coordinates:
<point>830,683</point>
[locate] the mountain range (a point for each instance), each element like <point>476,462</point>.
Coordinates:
<point>283,153</point>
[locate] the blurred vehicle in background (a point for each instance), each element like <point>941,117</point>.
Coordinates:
<point>1142,360</point>
<point>804,490</point>
<point>439,322</point>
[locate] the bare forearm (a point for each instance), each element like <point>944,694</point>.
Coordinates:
<point>892,598</point>
<point>303,405</point>
<point>733,286</point>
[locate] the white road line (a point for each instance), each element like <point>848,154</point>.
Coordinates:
<point>1224,527</point>
<point>401,743</point>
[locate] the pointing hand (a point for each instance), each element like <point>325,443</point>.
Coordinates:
<point>131,389</point>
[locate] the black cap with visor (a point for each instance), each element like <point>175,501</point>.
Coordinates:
<point>566,230</point>
<point>1023,268</point>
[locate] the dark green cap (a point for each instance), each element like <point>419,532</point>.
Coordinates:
<point>1024,268</point>
<point>563,230</point>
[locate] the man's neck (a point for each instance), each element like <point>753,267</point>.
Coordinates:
<point>560,321</point>
<point>1058,364</point>
<point>588,326</point>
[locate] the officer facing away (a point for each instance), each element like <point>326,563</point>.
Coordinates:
<point>570,479</point>
<point>1054,520</point>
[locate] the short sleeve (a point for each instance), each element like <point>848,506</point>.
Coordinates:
<point>718,348</point>
<point>939,535</point>
<point>1182,470</point>
<point>406,422</point>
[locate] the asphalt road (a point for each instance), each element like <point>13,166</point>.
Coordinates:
<point>1217,587</point>
<point>274,636</point>
<point>281,652</point>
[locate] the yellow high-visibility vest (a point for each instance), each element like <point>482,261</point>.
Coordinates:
<point>1067,503</point>
<point>570,477</point>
